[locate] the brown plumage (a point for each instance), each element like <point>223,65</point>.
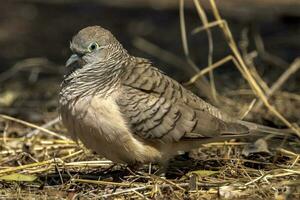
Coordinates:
<point>129,111</point>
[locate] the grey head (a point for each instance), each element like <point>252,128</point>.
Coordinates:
<point>94,45</point>
<point>97,59</point>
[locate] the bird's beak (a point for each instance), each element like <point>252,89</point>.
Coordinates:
<point>73,59</point>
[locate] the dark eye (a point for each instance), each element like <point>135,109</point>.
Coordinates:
<point>93,46</point>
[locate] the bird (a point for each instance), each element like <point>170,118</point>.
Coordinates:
<point>127,110</point>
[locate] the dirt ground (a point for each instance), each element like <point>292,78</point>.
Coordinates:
<point>34,41</point>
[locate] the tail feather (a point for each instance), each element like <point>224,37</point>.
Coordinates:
<point>234,129</point>
<point>253,127</point>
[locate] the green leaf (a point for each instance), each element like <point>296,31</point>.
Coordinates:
<point>18,177</point>
<point>202,173</point>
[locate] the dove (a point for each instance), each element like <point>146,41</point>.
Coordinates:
<point>129,111</point>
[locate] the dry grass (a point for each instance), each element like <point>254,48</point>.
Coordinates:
<point>59,168</point>
<point>217,169</point>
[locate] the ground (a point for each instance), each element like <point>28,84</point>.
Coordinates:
<point>37,161</point>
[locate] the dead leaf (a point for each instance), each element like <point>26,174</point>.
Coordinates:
<point>8,97</point>
<point>230,192</point>
<point>260,146</point>
<point>18,177</point>
<point>202,173</point>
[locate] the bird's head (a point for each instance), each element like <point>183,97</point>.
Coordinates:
<point>95,66</point>
<point>93,46</point>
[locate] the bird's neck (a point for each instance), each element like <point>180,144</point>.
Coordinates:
<point>101,80</point>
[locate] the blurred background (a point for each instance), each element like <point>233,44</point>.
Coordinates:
<point>35,35</point>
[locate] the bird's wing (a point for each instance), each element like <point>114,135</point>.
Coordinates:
<point>158,107</point>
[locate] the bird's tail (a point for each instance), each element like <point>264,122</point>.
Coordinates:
<point>253,127</point>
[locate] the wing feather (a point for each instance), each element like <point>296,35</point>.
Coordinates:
<point>159,108</point>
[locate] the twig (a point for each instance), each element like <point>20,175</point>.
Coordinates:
<point>208,69</point>
<point>208,25</point>
<point>139,194</point>
<point>127,191</point>
<point>32,64</point>
<point>32,126</point>
<point>225,144</point>
<point>276,61</point>
<point>248,57</point>
<point>295,161</point>
<point>185,45</point>
<point>90,163</point>
<point>54,160</point>
<point>204,20</point>
<point>292,171</point>
<point>287,152</point>
<point>183,33</point>
<point>253,84</point>
<point>295,66</point>
<point>167,181</point>
<point>47,125</point>
<point>98,182</point>
<point>249,109</point>
<point>162,54</point>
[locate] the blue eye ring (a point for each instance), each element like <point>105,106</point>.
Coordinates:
<point>93,46</point>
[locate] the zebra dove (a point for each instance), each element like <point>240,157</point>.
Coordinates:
<point>125,109</point>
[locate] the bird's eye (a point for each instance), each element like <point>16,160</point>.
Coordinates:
<point>93,46</point>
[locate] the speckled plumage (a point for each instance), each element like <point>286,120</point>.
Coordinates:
<point>124,108</point>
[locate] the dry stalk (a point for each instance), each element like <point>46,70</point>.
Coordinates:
<point>39,164</point>
<point>98,182</point>
<point>208,69</point>
<point>294,67</point>
<point>205,22</point>
<point>208,26</point>
<point>186,49</point>
<point>32,126</point>
<point>253,84</point>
